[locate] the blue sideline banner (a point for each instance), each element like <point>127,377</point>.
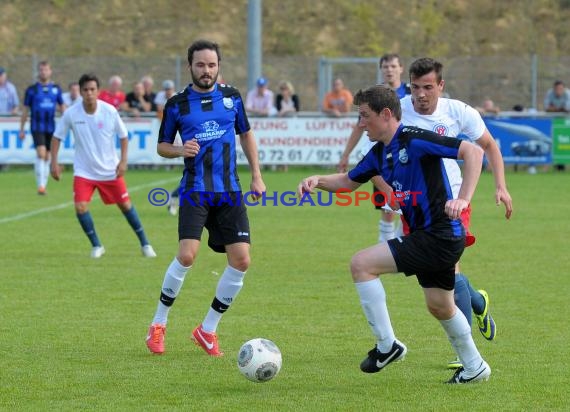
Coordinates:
<point>522,140</point>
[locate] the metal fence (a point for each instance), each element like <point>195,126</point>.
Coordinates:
<point>506,80</point>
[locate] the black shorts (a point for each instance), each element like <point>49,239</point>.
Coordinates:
<point>42,139</point>
<point>429,257</point>
<point>223,214</point>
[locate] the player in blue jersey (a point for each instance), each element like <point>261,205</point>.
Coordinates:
<point>41,101</point>
<point>410,160</point>
<point>392,70</point>
<point>208,116</point>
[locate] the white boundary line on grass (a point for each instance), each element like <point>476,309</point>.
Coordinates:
<point>22,216</point>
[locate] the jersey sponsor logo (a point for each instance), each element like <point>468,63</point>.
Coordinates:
<point>403,156</point>
<point>211,131</point>
<point>228,103</point>
<point>441,129</point>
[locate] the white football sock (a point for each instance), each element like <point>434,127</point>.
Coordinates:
<point>373,301</point>
<point>39,171</point>
<point>228,288</point>
<point>45,176</point>
<point>173,280</point>
<point>387,231</point>
<point>459,334</point>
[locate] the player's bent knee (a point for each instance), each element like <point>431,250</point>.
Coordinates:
<point>358,269</point>
<point>240,263</point>
<point>186,259</point>
<point>440,312</point>
<point>81,208</point>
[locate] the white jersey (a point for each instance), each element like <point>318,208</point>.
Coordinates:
<point>451,118</point>
<point>94,135</point>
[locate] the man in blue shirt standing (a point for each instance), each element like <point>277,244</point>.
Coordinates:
<point>409,160</point>
<point>208,116</point>
<point>41,101</point>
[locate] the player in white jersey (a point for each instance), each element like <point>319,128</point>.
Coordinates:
<point>425,108</point>
<point>96,165</point>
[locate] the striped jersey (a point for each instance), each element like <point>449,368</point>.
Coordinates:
<point>213,119</point>
<point>42,99</point>
<point>412,164</point>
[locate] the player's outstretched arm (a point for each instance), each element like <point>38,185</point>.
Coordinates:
<point>329,183</point>
<point>495,158</point>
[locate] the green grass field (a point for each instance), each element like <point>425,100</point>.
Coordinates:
<point>72,329</point>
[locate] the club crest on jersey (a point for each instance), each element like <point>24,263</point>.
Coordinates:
<point>228,103</point>
<point>403,155</point>
<point>441,129</point>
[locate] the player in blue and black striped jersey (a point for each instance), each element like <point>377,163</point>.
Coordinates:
<point>410,160</point>
<point>208,116</point>
<point>41,100</point>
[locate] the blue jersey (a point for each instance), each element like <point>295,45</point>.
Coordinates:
<point>412,165</point>
<point>403,90</point>
<point>213,119</point>
<point>42,99</point>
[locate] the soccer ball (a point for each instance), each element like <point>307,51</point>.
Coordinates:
<point>259,360</point>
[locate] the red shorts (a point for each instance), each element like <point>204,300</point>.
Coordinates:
<point>111,191</point>
<point>465,219</point>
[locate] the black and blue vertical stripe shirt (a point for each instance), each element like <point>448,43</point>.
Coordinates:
<point>42,99</point>
<point>214,119</point>
<point>412,165</point>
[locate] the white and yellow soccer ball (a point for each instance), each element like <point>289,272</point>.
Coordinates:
<point>259,360</point>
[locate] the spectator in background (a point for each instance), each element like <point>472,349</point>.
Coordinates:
<point>72,96</point>
<point>136,101</point>
<point>9,101</point>
<point>286,102</point>
<point>558,98</point>
<point>149,94</point>
<point>41,101</point>
<point>337,101</point>
<point>162,96</point>
<point>259,101</point>
<point>488,107</point>
<point>114,95</point>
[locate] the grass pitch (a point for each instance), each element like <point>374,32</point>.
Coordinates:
<point>72,331</point>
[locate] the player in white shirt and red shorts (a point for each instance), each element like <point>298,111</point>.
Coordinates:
<point>426,109</point>
<point>96,165</point>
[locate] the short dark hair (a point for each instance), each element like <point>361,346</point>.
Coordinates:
<point>426,65</point>
<point>378,98</point>
<point>203,45</point>
<point>390,56</point>
<point>558,83</point>
<point>88,77</point>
